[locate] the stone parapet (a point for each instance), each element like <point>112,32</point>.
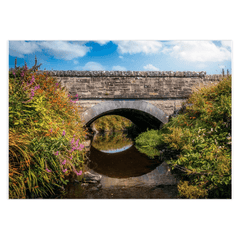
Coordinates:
<point>131,84</point>
<point>125,73</point>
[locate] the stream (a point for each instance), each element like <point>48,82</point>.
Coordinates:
<point>125,172</point>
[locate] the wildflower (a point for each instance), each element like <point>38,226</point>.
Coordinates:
<point>14,73</point>
<point>77,142</point>
<point>56,153</point>
<point>64,170</point>
<point>22,74</point>
<point>48,170</point>
<point>36,87</point>
<point>32,92</point>
<point>72,142</point>
<point>73,149</point>
<point>79,173</point>
<point>63,134</point>
<point>51,130</point>
<point>64,162</point>
<point>81,146</point>
<point>71,157</point>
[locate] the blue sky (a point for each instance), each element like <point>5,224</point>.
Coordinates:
<point>209,56</point>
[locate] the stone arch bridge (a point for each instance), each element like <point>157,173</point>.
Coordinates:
<point>146,98</point>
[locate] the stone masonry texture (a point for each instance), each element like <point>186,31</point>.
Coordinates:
<point>131,85</point>
<point>166,90</point>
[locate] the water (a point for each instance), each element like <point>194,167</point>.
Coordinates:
<point>126,173</point>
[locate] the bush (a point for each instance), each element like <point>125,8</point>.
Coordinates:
<point>147,143</point>
<point>202,134</point>
<point>45,133</point>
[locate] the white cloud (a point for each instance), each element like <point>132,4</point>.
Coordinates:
<point>221,66</point>
<point>102,42</point>
<point>227,44</point>
<point>65,50</point>
<point>93,66</point>
<point>150,67</point>
<point>59,49</point>
<point>198,51</point>
<point>20,48</point>
<point>133,47</point>
<point>118,68</point>
<point>121,57</point>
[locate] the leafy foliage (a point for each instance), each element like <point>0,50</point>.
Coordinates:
<point>148,141</point>
<point>45,133</point>
<point>202,135</point>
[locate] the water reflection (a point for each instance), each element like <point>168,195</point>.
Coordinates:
<point>125,164</point>
<point>126,173</point>
<point>127,167</point>
<point>112,142</point>
<point>117,150</point>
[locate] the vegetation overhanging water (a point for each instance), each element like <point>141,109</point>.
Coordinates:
<point>46,139</point>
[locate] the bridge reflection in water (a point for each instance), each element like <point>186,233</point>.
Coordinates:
<point>125,174</point>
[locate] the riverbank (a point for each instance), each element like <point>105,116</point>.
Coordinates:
<point>45,135</point>
<point>201,137</point>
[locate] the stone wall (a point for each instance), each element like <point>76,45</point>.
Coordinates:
<point>132,85</point>
<point>164,90</point>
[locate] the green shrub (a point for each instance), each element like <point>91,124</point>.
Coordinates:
<point>148,141</point>
<point>202,134</point>
<point>45,133</point>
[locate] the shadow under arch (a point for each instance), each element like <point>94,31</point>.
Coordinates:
<point>141,113</point>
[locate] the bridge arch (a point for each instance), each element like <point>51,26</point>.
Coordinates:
<point>142,113</point>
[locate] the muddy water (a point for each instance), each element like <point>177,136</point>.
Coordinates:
<point>125,172</point>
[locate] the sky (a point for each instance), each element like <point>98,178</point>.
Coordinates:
<point>104,55</point>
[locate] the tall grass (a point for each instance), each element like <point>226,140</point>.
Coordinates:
<point>45,135</point>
